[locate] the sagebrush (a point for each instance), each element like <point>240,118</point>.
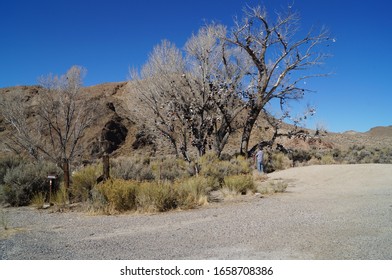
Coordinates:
<point>25,180</point>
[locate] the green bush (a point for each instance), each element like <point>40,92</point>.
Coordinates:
<point>24,181</point>
<point>83,181</point>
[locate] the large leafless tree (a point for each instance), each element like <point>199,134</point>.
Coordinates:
<point>53,123</point>
<point>195,97</point>
<point>281,57</point>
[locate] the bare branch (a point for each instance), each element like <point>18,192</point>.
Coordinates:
<point>59,117</point>
<point>278,54</point>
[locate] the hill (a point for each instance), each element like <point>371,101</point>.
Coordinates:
<point>381,131</point>
<point>120,125</point>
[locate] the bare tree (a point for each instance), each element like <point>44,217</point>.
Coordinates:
<point>59,117</point>
<point>17,112</point>
<point>196,97</point>
<point>154,86</point>
<point>279,55</point>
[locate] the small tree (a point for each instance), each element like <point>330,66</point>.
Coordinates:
<point>279,55</point>
<point>53,125</point>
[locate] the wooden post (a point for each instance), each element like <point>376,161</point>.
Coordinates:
<point>50,190</point>
<point>106,167</point>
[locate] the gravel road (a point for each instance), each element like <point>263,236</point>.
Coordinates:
<point>328,212</point>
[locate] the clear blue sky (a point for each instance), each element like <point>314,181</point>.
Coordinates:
<point>109,37</point>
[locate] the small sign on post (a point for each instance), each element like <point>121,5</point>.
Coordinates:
<point>51,177</point>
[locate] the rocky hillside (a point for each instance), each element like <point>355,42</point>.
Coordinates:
<point>120,126</point>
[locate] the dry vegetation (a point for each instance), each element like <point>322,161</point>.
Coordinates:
<point>160,128</point>
<point>142,161</point>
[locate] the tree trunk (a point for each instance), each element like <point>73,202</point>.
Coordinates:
<point>106,167</point>
<point>66,174</point>
<point>221,138</point>
<point>250,122</point>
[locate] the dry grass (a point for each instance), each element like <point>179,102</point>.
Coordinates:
<point>240,184</point>
<point>272,187</point>
<point>38,200</point>
<point>3,220</point>
<point>117,195</point>
<point>83,181</point>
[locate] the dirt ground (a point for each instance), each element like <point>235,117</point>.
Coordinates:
<point>327,212</point>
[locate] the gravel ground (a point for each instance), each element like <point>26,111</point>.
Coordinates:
<point>328,212</point>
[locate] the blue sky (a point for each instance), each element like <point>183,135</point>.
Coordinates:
<point>109,37</point>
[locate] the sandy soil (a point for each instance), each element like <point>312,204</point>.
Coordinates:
<point>328,212</point>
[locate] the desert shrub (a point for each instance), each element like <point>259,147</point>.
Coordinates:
<point>213,169</point>
<point>276,161</point>
<point>239,165</point>
<point>350,157</point>
<point>157,196</point>
<point>116,195</point>
<point>60,198</point>
<point>3,219</point>
<point>278,186</point>
<point>98,203</point>
<point>131,169</point>
<point>356,148</point>
<point>225,156</point>
<point>8,162</point>
<point>327,159</point>
<point>338,155</point>
<point>38,200</point>
<point>2,196</point>
<point>192,192</point>
<point>360,154</point>
<point>170,168</point>
<point>216,170</point>
<point>83,181</point>
<point>24,181</point>
<point>239,183</point>
<point>364,156</point>
<point>301,156</point>
<point>271,187</point>
<point>384,156</point>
